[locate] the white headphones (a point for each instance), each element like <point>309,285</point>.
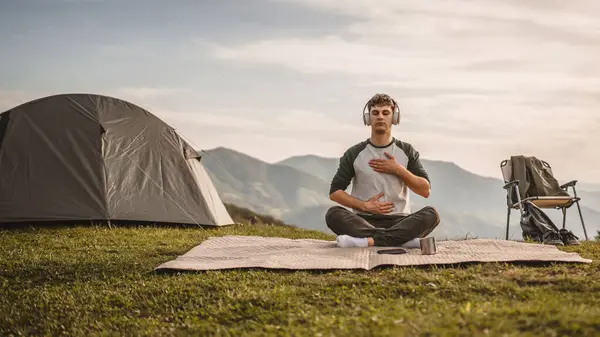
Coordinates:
<point>395,117</point>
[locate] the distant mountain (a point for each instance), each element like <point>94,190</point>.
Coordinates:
<point>590,187</point>
<point>590,199</point>
<point>321,167</point>
<point>262,187</point>
<point>453,188</point>
<point>296,190</point>
<point>467,202</point>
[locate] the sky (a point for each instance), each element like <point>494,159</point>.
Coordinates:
<point>476,81</point>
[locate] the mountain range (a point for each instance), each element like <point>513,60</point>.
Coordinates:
<point>296,190</point>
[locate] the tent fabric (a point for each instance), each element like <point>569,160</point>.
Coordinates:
<point>93,157</point>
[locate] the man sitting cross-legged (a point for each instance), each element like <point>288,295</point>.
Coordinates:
<point>382,169</point>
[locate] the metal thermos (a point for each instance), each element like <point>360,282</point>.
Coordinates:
<point>428,246</point>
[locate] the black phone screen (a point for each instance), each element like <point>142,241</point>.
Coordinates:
<point>392,251</point>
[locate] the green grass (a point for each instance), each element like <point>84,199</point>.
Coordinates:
<point>87,281</point>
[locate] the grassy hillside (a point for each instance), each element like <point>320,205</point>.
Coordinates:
<point>241,215</point>
<point>91,281</point>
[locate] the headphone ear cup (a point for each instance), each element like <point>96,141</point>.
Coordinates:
<point>366,119</point>
<point>396,118</point>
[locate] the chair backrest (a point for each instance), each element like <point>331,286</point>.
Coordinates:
<point>506,167</point>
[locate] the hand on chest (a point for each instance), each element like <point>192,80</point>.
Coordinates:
<point>374,161</point>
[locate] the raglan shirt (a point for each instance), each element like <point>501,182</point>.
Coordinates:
<point>366,182</point>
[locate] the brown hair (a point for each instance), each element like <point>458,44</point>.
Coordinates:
<point>381,99</point>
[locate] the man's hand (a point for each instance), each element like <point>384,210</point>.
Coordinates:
<point>375,206</point>
<point>418,185</point>
<point>389,166</point>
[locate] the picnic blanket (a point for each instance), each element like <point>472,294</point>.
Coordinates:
<point>230,252</point>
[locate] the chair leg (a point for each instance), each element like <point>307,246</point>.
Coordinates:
<point>582,223</point>
<point>507,222</point>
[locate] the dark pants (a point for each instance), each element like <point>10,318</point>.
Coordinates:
<point>386,230</point>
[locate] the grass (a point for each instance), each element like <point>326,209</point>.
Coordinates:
<point>96,280</point>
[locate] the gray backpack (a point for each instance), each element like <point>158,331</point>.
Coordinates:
<point>537,226</point>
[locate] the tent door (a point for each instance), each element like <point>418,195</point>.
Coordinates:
<point>3,126</point>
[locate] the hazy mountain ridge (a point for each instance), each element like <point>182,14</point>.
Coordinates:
<point>455,192</point>
<point>473,203</point>
<point>296,190</point>
<point>260,186</point>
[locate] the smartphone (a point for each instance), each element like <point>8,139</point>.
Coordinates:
<point>392,251</point>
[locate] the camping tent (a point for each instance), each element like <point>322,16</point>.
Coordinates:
<point>91,157</point>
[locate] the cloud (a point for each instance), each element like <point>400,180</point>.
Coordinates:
<point>476,81</point>
<point>492,64</point>
<point>131,50</point>
<point>465,44</point>
<point>11,98</point>
<point>311,121</point>
<point>494,77</point>
<point>81,1</point>
<point>546,13</point>
<point>288,124</point>
<point>263,145</point>
<point>202,120</point>
<point>147,93</point>
<point>176,106</point>
<point>268,133</point>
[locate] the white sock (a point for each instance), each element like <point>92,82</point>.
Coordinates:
<point>346,241</point>
<point>414,243</point>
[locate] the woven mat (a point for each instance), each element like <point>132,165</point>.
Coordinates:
<point>229,252</point>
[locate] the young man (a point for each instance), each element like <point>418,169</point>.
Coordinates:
<point>382,170</point>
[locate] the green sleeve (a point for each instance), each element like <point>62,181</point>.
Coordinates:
<point>414,163</point>
<point>345,171</point>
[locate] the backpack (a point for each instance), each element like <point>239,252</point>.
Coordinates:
<point>536,224</point>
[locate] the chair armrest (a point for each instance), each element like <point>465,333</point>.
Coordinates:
<point>570,183</point>
<point>511,184</point>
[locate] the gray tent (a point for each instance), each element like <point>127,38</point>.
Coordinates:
<point>91,157</point>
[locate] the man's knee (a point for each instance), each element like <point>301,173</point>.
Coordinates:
<point>432,217</point>
<point>333,217</point>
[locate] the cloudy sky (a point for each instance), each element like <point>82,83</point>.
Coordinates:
<point>477,81</point>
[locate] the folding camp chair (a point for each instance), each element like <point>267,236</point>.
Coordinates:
<point>556,202</point>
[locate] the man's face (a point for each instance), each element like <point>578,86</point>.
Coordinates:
<point>381,118</point>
